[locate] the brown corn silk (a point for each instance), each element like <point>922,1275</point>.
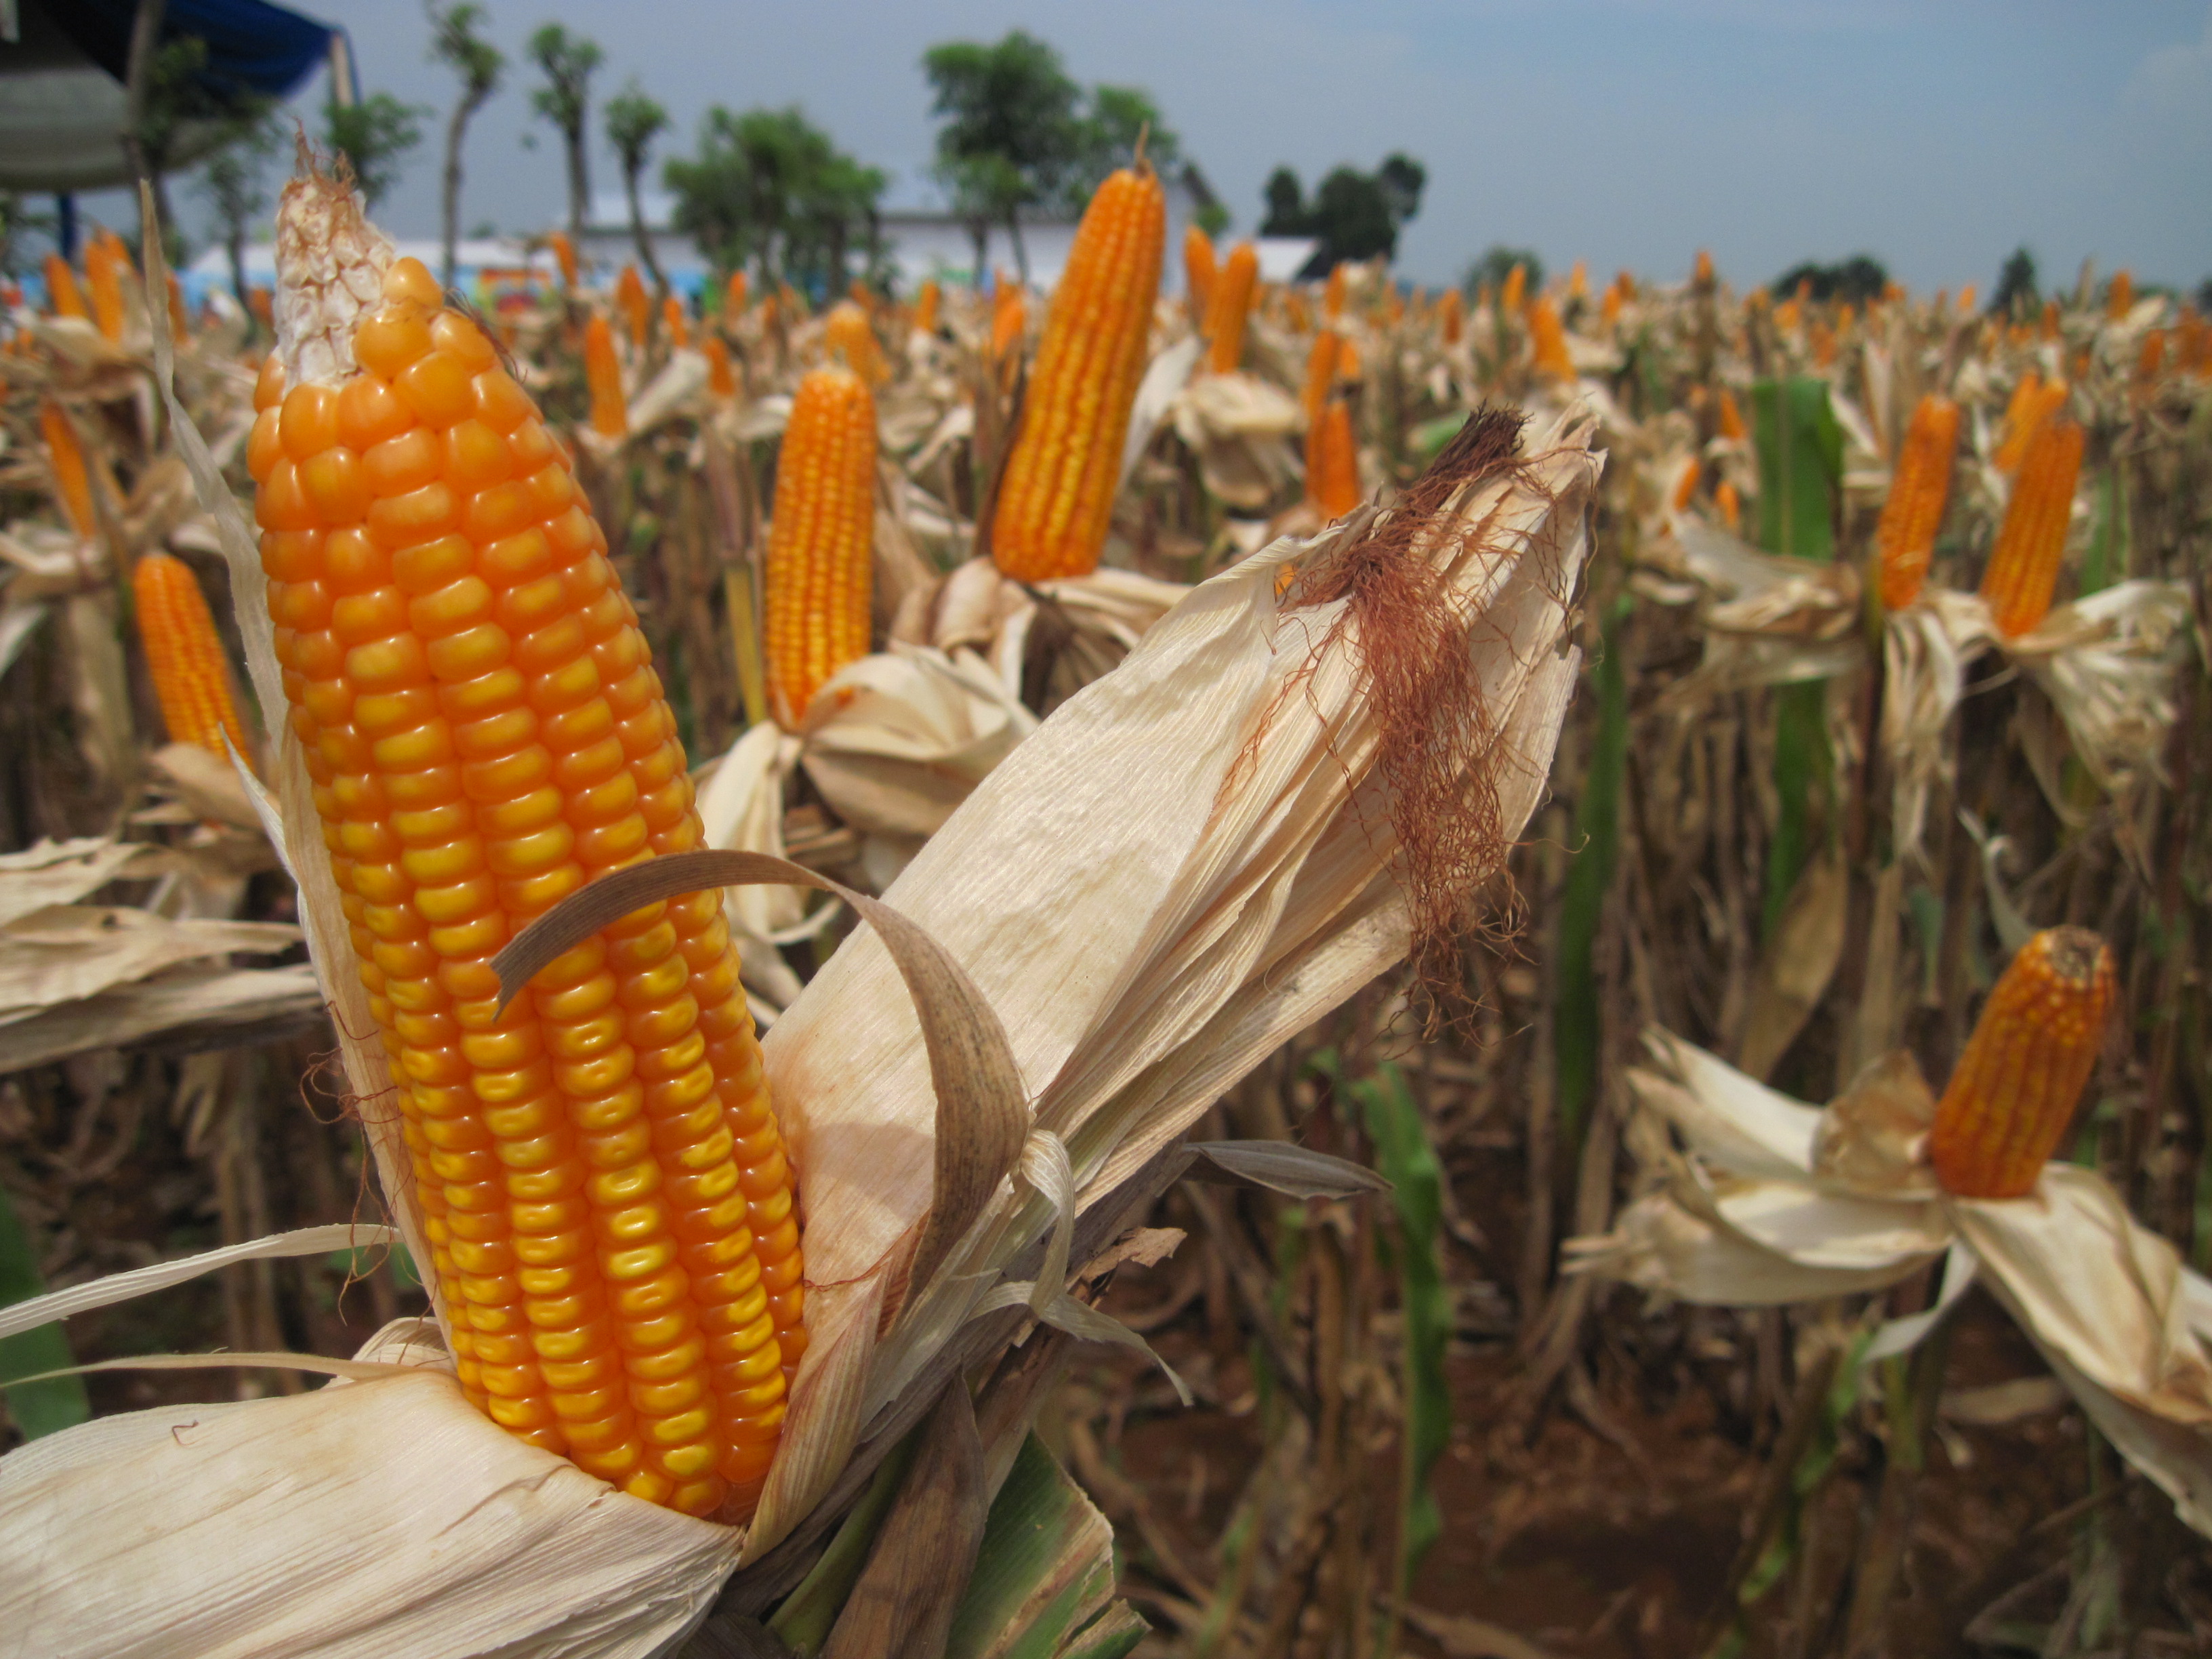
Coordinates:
<point>2022,572</point>
<point>601,1180</point>
<point>1056,501</point>
<point>1905,537</point>
<point>185,656</point>
<point>2014,1089</point>
<point>821,538</point>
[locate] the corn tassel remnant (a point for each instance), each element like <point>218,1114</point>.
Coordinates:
<point>603,376</point>
<point>2014,1091</point>
<point>1057,499</point>
<point>1912,514</point>
<point>602,1182</point>
<point>1231,308</point>
<point>2023,568</point>
<point>822,538</point>
<point>185,656</point>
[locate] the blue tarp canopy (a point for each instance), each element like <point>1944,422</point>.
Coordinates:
<point>251,45</point>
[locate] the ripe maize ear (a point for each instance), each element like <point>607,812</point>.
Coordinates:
<point>926,306</point>
<point>1057,498</point>
<point>1321,373</point>
<point>1332,462</point>
<point>734,297</point>
<point>603,1184</point>
<point>851,338</point>
<point>1912,514</point>
<point>1730,502</point>
<point>2119,296</point>
<point>105,261</point>
<point>1201,271</point>
<point>1514,295</point>
<point>1549,336</point>
<point>1451,316</point>
<point>673,323</point>
<point>1730,421</point>
<point>63,296</point>
<point>1578,281</point>
<point>1010,319</point>
<point>2023,568</point>
<point>72,478</point>
<point>1231,308</point>
<point>1686,485</point>
<point>564,255</point>
<point>2014,1089</point>
<point>2034,403</point>
<point>636,307</point>
<point>821,538</point>
<point>721,377</point>
<point>1609,307</point>
<point>1701,271</point>
<point>1968,296</point>
<point>603,377</point>
<point>185,655</point>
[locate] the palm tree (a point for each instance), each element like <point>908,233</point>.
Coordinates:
<point>455,41</point>
<point>565,101</point>
<point>634,121</point>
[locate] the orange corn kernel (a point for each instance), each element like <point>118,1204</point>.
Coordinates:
<point>185,656</point>
<point>2023,568</point>
<point>1057,499</point>
<point>1905,538</point>
<point>2014,1089</point>
<point>1231,308</point>
<point>600,1178</point>
<point>821,538</point>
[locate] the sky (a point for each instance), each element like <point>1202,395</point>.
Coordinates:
<point>1936,135</point>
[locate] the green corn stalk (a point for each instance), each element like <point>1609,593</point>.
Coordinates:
<point>56,1402</point>
<point>804,1620</point>
<point>1043,1583</point>
<point>2107,558</point>
<point>1800,448</point>
<point>1590,877</point>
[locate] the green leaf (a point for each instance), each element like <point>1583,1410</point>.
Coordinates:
<point>2107,558</point>
<point>1044,1577</point>
<point>1403,1152</point>
<point>59,1403</point>
<point>1800,446</point>
<point>1590,877</point>
<point>804,1620</point>
<point>1802,768</point>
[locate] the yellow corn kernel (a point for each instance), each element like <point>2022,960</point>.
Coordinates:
<point>821,538</point>
<point>1905,538</point>
<point>1057,498</point>
<point>2023,568</point>
<point>2014,1089</point>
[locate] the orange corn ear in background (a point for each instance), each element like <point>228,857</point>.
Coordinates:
<point>851,338</point>
<point>1730,421</point>
<point>722,378</point>
<point>106,263</point>
<point>1321,373</point>
<point>734,297</point>
<point>1686,485</point>
<point>72,478</point>
<point>1332,462</point>
<point>62,295</point>
<point>926,306</point>
<point>1057,499</point>
<point>1550,339</point>
<point>603,376</point>
<point>636,307</point>
<point>2120,296</point>
<point>1199,272</point>
<point>602,1182</point>
<point>564,255</point>
<point>1232,305</point>
<point>1451,316</point>
<point>1578,281</point>
<point>1731,503</point>
<point>185,656</point>
<point>672,321</point>
<point>1905,538</point>
<point>821,541</point>
<point>2033,403</point>
<point>2014,1089</point>
<point>2023,568</point>
<point>1333,291</point>
<point>1510,298</point>
<point>1010,318</point>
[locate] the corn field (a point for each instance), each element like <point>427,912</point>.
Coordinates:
<point>1777,1119</point>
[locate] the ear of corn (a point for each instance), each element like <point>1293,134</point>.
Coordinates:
<point>185,655</point>
<point>1199,272</point>
<point>1701,271</point>
<point>603,376</point>
<point>1333,291</point>
<point>734,297</point>
<point>2014,1089</point>
<point>722,378</point>
<point>1731,503</point>
<point>72,478</point>
<point>602,1180</point>
<point>1057,498</point>
<point>2031,544</point>
<point>1321,373</point>
<point>926,306</point>
<point>1917,491</point>
<point>1730,421</point>
<point>105,261</point>
<point>1686,485</point>
<point>1231,308</point>
<point>64,298</point>
<point>1451,316</point>
<point>674,324</point>
<point>2120,296</point>
<point>1010,318</point>
<point>1549,336</point>
<point>1967,297</point>
<point>2033,403</point>
<point>851,338</point>
<point>636,307</point>
<point>1513,296</point>
<point>1609,307</point>
<point>1332,462</point>
<point>821,540</point>
<point>564,255</point>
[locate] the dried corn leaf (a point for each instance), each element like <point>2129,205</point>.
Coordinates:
<point>69,951</point>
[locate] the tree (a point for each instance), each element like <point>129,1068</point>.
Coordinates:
<point>634,122</point>
<point>2016,291</point>
<point>1108,133</point>
<point>234,180</point>
<point>1855,281</point>
<point>1497,264</point>
<point>769,187</point>
<point>455,41</point>
<point>1013,102</point>
<point>1355,214</point>
<point>373,135</point>
<point>565,101</point>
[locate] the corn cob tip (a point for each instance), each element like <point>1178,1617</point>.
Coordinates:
<point>331,262</point>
